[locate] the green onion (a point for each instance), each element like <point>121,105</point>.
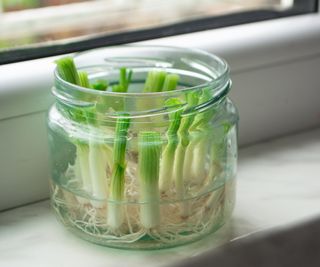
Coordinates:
<point>125,77</point>
<point>149,160</point>
<point>67,70</point>
<point>124,82</point>
<point>84,80</point>
<point>92,157</point>
<point>155,81</point>
<point>183,134</point>
<point>116,190</point>
<point>203,118</point>
<point>219,148</point>
<point>194,169</point>
<point>100,85</point>
<point>166,167</point>
<point>170,82</point>
<point>97,152</point>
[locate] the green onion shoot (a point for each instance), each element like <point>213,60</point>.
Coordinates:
<point>184,139</point>
<point>116,191</point>
<point>149,165</point>
<point>166,170</point>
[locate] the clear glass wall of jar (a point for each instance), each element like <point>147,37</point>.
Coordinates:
<point>178,168</point>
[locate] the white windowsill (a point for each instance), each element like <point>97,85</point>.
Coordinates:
<point>277,186</point>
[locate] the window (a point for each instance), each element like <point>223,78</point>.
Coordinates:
<point>37,28</point>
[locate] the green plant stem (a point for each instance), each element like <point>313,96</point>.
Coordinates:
<point>67,70</point>
<point>100,85</point>
<point>92,157</point>
<point>195,164</point>
<point>154,82</point>
<point>183,134</point>
<point>171,82</point>
<point>168,154</point>
<point>116,190</point>
<point>149,161</point>
<point>124,81</point>
<point>219,149</point>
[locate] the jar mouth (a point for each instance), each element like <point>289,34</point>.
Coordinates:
<point>198,71</point>
<point>222,77</point>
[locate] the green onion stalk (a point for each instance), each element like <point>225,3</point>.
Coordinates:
<point>219,149</point>
<point>160,81</point>
<point>157,81</point>
<point>184,140</point>
<point>68,72</point>
<point>100,85</point>
<point>149,165</point>
<point>98,153</point>
<point>117,183</point>
<point>194,168</point>
<point>99,161</point>
<point>92,158</point>
<point>218,157</point>
<point>124,81</point>
<point>168,154</point>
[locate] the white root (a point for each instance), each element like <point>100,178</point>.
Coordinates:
<point>206,213</point>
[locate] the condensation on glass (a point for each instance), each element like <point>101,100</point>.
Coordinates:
<point>194,192</point>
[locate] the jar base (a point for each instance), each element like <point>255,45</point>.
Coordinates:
<point>92,224</point>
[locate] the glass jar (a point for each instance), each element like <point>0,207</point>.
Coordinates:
<point>144,170</point>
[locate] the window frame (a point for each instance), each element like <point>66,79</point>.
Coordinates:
<point>207,23</point>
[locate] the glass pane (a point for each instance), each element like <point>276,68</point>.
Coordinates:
<point>46,22</point>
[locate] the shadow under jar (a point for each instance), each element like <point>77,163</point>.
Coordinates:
<point>141,170</point>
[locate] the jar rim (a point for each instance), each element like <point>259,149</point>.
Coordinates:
<point>222,77</point>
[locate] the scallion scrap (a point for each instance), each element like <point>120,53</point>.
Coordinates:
<point>163,163</point>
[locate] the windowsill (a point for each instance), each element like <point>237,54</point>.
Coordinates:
<point>277,186</point>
